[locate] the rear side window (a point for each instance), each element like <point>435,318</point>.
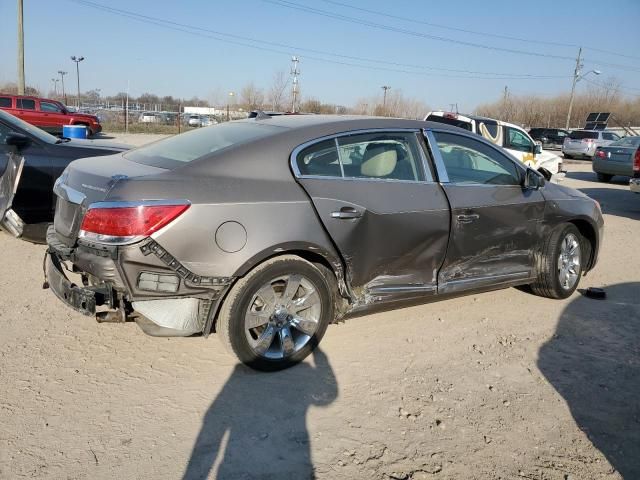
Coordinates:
<point>380,155</point>
<point>320,160</point>
<point>610,136</point>
<point>582,134</point>
<point>5,102</point>
<point>26,104</point>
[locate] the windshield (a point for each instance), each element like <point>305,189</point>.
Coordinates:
<point>582,134</point>
<point>22,125</point>
<point>626,142</point>
<point>175,151</point>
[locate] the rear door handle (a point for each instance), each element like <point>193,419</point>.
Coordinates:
<point>346,213</point>
<point>468,218</point>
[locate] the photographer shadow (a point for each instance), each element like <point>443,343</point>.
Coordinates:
<point>256,426</point>
<point>593,361</point>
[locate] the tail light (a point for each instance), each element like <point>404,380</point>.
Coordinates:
<point>127,224</point>
<point>601,154</point>
<point>636,162</point>
<point>588,140</point>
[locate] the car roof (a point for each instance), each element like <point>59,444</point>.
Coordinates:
<point>344,122</point>
<point>32,97</point>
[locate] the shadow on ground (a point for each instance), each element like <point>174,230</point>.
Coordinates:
<point>615,201</point>
<point>591,177</point>
<point>256,427</point>
<point>593,361</point>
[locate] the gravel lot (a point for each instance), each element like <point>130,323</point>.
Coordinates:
<point>501,385</point>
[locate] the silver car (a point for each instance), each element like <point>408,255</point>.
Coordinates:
<point>618,158</point>
<point>583,143</point>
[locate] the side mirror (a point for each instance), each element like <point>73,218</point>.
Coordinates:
<point>534,180</point>
<point>537,149</point>
<point>18,140</point>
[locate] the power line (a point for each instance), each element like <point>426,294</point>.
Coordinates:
<point>216,35</point>
<point>324,13</point>
<point>487,34</point>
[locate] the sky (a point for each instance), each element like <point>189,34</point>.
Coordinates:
<point>346,53</point>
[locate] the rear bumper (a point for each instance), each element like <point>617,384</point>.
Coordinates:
<point>82,299</point>
<point>579,151</point>
<point>634,185</point>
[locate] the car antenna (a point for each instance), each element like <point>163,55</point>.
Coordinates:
<point>260,115</point>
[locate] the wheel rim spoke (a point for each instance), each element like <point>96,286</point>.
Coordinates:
<point>293,284</point>
<point>268,296</point>
<point>257,319</point>
<point>286,341</point>
<point>265,340</point>
<point>569,261</point>
<point>306,301</point>
<point>308,327</point>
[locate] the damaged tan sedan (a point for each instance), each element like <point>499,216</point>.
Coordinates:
<point>267,230</point>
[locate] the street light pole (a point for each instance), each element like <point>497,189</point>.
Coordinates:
<point>55,86</point>
<point>577,76</point>
<point>21,85</point>
<point>78,60</point>
<point>64,95</point>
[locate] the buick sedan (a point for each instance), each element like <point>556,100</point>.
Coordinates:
<point>264,231</point>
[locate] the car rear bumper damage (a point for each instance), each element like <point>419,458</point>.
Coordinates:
<point>141,283</point>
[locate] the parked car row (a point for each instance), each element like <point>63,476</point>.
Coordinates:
<point>584,143</point>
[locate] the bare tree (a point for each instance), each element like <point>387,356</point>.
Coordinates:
<point>251,97</point>
<point>277,96</point>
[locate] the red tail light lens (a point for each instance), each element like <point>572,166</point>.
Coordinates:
<point>636,161</point>
<point>137,221</point>
<point>601,154</point>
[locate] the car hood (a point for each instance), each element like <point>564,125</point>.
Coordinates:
<point>97,145</point>
<point>554,191</point>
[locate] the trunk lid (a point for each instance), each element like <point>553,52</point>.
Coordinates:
<point>87,181</point>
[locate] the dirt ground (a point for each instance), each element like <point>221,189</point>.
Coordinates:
<point>501,385</point>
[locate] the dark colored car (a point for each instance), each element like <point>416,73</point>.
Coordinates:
<point>549,137</point>
<point>37,159</point>
<point>617,158</point>
<point>267,230</point>
<point>49,115</point>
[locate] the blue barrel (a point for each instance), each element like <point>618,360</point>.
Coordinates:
<point>74,131</point>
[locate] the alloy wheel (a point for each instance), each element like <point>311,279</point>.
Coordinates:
<point>569,261</point>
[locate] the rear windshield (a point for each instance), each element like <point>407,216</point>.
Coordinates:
<point>580,134</point>
<point>626,142</point>
<point>175,151</point>
<point>449,121</point>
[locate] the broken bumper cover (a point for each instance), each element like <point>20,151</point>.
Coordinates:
<point>82,299</point>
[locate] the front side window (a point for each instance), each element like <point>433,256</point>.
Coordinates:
<point>633,142</point>
<point>26,104</point>
<point>5,102</point>
<point>50,107</point>
<point>472,162</point>
<point>517,140</point>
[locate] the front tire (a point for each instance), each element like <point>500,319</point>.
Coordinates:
<point>277,314</point>
<point>559,264</point>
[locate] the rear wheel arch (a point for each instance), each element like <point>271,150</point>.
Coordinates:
<point>326,262</point>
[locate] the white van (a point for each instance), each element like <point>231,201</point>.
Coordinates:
<point>512,138</point>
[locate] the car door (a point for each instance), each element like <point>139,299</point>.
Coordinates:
<point>53,117</point>
<point>377,199</point>
<point>495,221</point>
<point>11,163</point>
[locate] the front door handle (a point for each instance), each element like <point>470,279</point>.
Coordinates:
<point>346,213</point>
<point>468,218</point>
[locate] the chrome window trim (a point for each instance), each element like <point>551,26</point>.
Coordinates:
<point>441,170</point>
<point>296,171</point>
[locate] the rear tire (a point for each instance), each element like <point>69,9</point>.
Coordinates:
<point>290,320</point>
<point>566,155</point>
<point>604,177</point>
<point>559,264</point>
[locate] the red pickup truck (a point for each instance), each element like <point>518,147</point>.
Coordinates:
<point>49,115</point>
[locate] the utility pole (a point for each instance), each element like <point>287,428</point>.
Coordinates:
<point>64,95</point>
<point>294,85</point>
<point>20,50</point>
<point>384,98</point>
<point>78,60</point>
<point>576,74</point>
